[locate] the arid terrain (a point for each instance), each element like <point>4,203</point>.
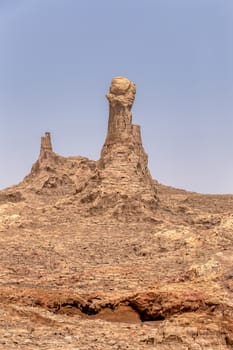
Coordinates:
<point>98,255</point>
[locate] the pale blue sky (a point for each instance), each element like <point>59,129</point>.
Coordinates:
<point>57,60</point>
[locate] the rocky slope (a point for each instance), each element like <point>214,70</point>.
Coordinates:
<point>97,255</point>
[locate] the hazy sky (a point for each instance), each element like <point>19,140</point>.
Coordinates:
<point>58,58</point>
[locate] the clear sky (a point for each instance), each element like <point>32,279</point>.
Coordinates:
<point>58,58</point>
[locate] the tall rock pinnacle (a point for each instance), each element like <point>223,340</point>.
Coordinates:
<point>123,152</point>
<point>121,97</point>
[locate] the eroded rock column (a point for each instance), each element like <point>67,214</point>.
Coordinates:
<point>121,97</point>
<point>123,153</point>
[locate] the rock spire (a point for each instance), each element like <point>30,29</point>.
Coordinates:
<point>123,152</point>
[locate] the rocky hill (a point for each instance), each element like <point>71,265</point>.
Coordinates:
<point>98,255</point>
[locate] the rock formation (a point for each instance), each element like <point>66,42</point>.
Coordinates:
<point>124,178</point>
<point>122,181</point>
<point>123,153</point>
<point>119,184</point>
<point>81,248</point>
<point>53,175</point>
